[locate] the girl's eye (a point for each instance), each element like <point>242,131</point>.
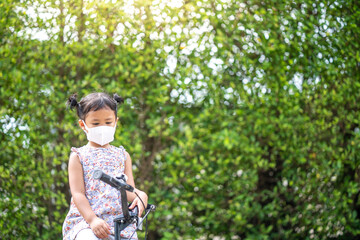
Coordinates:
<point>108,122</point>
<point>95,124</point>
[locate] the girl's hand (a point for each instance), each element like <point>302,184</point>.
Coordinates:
<point>100,228</point>
<point>138,203</point>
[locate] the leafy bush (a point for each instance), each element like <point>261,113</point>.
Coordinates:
<point>241,117</point>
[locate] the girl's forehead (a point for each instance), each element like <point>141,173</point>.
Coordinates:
<point>104,113</point>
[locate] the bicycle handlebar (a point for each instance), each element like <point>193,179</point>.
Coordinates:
<point>120,184</point>
<point>117,183</point>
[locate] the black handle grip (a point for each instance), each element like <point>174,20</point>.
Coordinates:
<point>117,183</point>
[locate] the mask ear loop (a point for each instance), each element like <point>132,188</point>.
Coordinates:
<point>86,127</point>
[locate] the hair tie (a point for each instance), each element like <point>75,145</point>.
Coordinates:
<point>72,101</point>
<point>118,99</point>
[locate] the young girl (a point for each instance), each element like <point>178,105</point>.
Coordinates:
<point>95,204</point>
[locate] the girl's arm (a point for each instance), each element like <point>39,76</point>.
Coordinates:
<point>132,196</point>
<point>77,186</point>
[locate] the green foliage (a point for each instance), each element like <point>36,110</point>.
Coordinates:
<point>241,117</point>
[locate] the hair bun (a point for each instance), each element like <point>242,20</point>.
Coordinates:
<point>118,99</point>
<point>72,101</point>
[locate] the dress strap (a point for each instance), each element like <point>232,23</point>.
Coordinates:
<point>122,149</point>
<point>77,152</point>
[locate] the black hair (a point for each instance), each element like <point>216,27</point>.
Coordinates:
<point>93,102</point>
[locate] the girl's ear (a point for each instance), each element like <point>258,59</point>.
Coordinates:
<point>81,124</point>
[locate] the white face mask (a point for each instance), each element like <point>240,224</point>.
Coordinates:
<point>101,135</point>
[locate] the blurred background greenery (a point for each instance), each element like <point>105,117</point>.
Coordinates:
<point>241,117</point>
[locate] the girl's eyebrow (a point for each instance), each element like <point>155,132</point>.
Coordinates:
<point>95,119</point>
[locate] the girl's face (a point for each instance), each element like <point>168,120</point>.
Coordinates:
<point>101,117</point>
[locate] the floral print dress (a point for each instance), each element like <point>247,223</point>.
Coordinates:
<point>104,200</point>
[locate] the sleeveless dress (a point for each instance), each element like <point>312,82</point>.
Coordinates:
<point>104,200</point>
